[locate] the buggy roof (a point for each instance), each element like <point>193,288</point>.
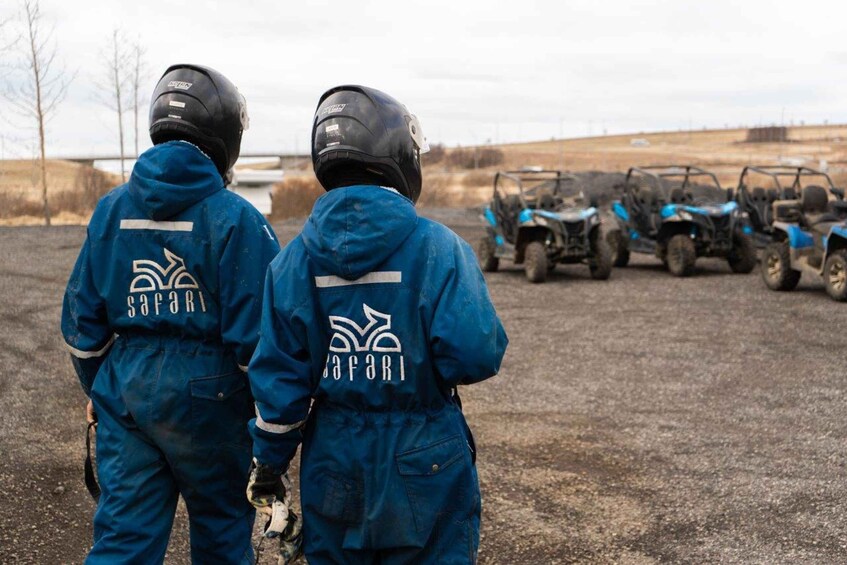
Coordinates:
<point>540,179</point>
<point>777,171</point>
<point>660,173</point>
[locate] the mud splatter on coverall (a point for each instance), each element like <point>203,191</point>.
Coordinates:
<point>377,315</point>
<point>161,310</point>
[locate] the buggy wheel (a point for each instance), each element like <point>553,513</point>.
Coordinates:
<point>535,262</point>
<point>776,267</point>
<point>742,258</point>
<point>619,248</point>
<point>600,264</point>
<point>835,275</point>
<point>681,255</point>
<point>485,254</point>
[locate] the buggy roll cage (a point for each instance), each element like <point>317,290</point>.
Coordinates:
<point>522,175</point>
<point>777,171</point>
<point>660,172</point>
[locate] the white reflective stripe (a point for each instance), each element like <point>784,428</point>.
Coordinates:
<point>80,354</point>
<point>243,368</point>
<point>276,428</point>
<point>153,225</point>
<point>377,277</point>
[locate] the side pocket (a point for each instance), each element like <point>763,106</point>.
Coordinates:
<point>437,479</point>
<point>221,406</point>
<point>342,500</point>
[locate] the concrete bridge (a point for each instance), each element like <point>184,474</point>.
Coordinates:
<point>286,160</point>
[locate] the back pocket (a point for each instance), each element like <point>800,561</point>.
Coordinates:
<point>437,479</point>
<point>221,407</point>
<point>342,499</point>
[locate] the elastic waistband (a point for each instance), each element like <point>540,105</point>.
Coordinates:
<point>170,342</point>
<point>343,414</point>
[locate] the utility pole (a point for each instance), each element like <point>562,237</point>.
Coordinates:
<point>561,143</point>
<point>783,132</point>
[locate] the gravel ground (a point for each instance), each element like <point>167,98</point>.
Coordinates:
<point>638,420</point>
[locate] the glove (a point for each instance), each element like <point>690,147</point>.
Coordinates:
<point>291,541</point>
<point>270,493</point>
<point>266,487</point>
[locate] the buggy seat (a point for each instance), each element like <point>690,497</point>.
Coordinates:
<point>816,213</point>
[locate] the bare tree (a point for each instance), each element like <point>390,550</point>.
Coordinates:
<point>117,59</point>
<point>8,39</point>
<point>138,74</point>
<point>44,87</point>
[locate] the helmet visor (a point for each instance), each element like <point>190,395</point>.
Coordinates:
<point>417,134</point>
<point>242,111</point>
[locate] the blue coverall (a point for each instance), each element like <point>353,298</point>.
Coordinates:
<point>376,314</point>
<point>161,315</point>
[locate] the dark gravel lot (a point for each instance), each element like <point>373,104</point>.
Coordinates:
<point>639,420</point>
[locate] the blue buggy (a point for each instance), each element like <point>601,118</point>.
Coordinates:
<point>659,215</point>
<point>809,235</point>
<point>533,219</point>
<point>759,187</point>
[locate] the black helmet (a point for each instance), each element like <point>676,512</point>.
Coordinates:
<point>362,135</point>
<point>200,105</point>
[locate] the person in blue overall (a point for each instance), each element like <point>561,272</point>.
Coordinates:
<point>373,316</point>
<point>161,316</point>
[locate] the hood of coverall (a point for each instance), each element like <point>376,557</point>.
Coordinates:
<point>171,177</point>
<point>354,229</point>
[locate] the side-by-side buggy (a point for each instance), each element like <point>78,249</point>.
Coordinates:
<point>809,235</point>
<point>760,187</point>
<point>659,214</point>
<point>534,219</point>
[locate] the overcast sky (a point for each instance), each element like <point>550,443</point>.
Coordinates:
<point>472,71</point>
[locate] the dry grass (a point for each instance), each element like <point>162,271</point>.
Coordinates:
<point>21,176</point>
<point>60,219</point>
<point>73,190</point>
<point>723,151</point>
<point>445,189</point>
<point>16,204</point>
<point>295,196</point>
<point>447,180</point>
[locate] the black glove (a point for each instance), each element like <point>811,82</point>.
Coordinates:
<point>270,493</point>
<point>265,487</point>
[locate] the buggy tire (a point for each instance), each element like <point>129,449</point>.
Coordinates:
<point>485,248</point>
<point>835,275</point>
<point>681,255</point>
<point>776,267</point>
<point>619,248</point>
<point>600,265</point>
<point>742,257</point>
<point>535,262</point>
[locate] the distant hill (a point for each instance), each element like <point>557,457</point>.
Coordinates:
<point>454,182</point>
<point>23,177</point>
<point>723,151</point>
